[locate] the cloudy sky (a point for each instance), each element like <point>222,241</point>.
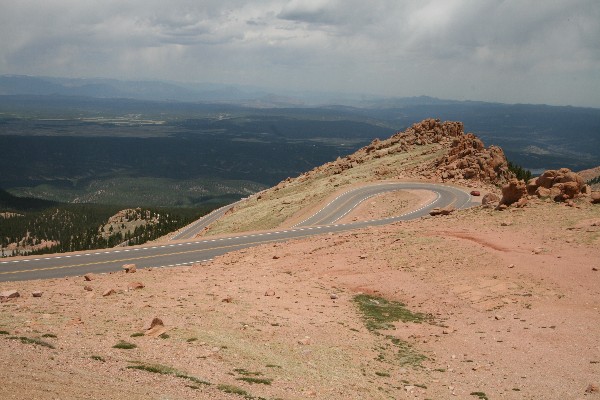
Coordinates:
<point>495,50</point>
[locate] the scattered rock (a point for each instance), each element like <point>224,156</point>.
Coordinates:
<point>594,269</point>
<point>135,285</point>
<point>227,299</point>
<point>275,257</point>
<point>538,250</point>
<point>475,193</point>
<point>88,288</point>
<point>333,296</point>
<point>156,328</point>
<point>592,388</point>
<point>511,266</point>
<point>595,197</point>
<point>109,292</point>
<point>270,293</point>
<point>88,277</point>
<point>37,294</point>
<point>363,256</point>
<point>442,211</point>
<point>129,268</point>
<point>10,294</point>
<point>305,341</point>
<point>490,198</point>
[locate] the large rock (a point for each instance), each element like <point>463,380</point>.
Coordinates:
<point>9,294</point>
<point>595,197</point>
<point>513,191</point>
<point>490,198</point>
<point>560,185</point>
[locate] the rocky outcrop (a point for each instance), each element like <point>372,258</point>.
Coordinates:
<point>559,185</point>
<point>513,192</point>
<point>468,158</point>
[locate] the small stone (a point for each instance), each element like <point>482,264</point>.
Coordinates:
<point>506,223</point>
<point>156,328</point>
<point>109,292</point>
<point>511,266</point>
<point>270,293</point>
<point>594,269</point>
<point>135,285</point>
<point>227,299</point>
<point>10,294</point>
<point>592,388</point>
<point>497,317</point>
<point>362,256</point>
<point>275,257</point>
<point>409,388</point>
<point>88,277</point>
<point>37,294</point>
<point>333,296</point>
<point>129,268</point>
<point>538,250</point>
<point>88,288</point>
<point>304,341</point>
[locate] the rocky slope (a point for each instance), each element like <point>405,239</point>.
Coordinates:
<point>429,150</point>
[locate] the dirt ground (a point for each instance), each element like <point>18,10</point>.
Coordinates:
<point>510,307</point>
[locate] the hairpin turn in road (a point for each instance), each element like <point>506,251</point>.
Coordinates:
<point>196,251</point>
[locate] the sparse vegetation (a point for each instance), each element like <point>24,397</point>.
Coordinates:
<point>35,341</point>
<point>192,339</point>
<point>480,395</point>
<point>382,374</point>
<point>49,335</point>
<point>520,172</point>
<point>245,372</point>
<point>98,358</point>
<point>250,379</point>
<point>136,334</point>
<point>379,313</point>
<point>164,336</point>
<point>4,333</point>
<point>124,345</point>
<point>233,389</point>
<point>165,370</point>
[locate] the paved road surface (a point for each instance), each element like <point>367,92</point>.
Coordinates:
<point>196,251</point>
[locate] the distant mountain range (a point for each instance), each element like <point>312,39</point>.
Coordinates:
<point>194,92</point>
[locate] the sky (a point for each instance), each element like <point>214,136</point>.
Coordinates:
<point>511,51</point>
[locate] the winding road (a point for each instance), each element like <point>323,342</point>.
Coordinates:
<point>188,252</point>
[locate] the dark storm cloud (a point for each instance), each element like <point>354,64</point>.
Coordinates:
<point>512,51</point>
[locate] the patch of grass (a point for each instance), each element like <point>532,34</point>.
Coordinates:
<point>480,395</point>
<point>165,370</point>
<point>192,339</point>
<point>98,358</point>
<point>124,345</point>
<point>250,379</point>
<point>233,389</point>
<point>137,334</point>
<point>4,333</point>
<point>379,313</point>
<point>36,341</point>
<point>245,372</point>
<point>164,336</point>
<point>407,355</point>
<point>383,374</point>
<point>50,335</point>
<point>272,366</point>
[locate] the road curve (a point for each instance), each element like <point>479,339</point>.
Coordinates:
<point>196,251</point>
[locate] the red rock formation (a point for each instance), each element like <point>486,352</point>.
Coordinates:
<point>560,185</point>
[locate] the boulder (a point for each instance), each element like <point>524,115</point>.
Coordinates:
<point>129,268</point>
<point>560,185</point>
<point>490,198</point>
<point>9,294</point>
<point>595,197</point>
<point>156,328</point>
<point>513,191</point>
<point>37,293</point>
<point>88,277</point>
<point>108,292</point>
<point>135,285</point>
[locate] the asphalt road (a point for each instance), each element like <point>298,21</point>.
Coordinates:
<point>196,251</point>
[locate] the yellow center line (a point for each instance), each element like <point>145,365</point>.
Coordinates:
<point>146,257</point>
